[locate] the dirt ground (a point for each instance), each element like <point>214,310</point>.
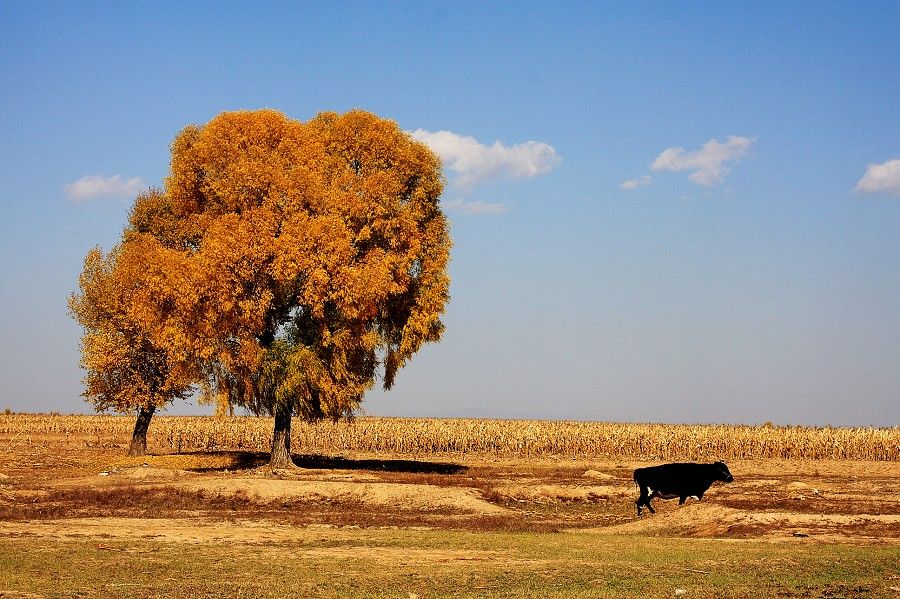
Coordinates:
<point>63,488</point>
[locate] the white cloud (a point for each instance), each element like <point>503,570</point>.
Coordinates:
<point>477,207</point>
<point>881,177</point>
<point>474,163</point>
<point>96,186</point>
<point>636,183</point>
<point>708,163</point>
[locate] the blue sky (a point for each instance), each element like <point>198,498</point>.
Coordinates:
<point>704,227</point>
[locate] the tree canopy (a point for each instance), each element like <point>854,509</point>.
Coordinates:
<point>288,265</point>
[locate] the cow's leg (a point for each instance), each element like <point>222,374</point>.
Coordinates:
<point>649,499</point>
<point>643,500</point>
<point>682,499</point>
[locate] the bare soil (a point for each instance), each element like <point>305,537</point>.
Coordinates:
<point>70,486</point>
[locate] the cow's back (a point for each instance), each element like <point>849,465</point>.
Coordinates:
<point>680,478</point>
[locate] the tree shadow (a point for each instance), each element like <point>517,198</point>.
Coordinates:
<point>321,462</point>
<point>238,460</point>
<point>248,460</point>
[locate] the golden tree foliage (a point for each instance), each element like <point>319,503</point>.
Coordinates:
<point>295,261</point>
<point>126,370</point>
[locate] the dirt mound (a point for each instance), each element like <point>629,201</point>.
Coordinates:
<point>152,473</point>
<point>116,477</point>
<point>711,520</point>
<point>693,520</point>
<point>557,493</point>
<point>384,495</point>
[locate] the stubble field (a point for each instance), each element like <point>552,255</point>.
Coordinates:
<point>431,508</point>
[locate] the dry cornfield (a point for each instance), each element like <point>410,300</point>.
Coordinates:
<point>529,438</point>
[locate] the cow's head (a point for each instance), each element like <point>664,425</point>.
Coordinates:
<point>723,473</point>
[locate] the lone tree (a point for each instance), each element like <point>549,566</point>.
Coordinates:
<point>126,369</point>
<point>295,263</point>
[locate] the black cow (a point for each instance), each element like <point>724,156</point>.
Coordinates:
<point>678,480</point>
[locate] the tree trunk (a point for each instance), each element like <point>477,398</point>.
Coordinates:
<point>281,439</point>
<point>139,437</point>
